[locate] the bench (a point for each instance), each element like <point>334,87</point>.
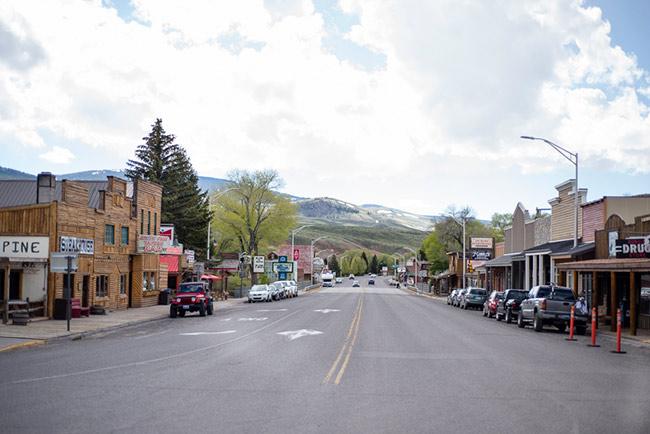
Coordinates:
<point>77,310</point>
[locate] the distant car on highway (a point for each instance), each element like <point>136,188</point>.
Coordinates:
<point>371,281</point>
<point>356,284</point>
<point>339,280</point>
<point>351,277</point>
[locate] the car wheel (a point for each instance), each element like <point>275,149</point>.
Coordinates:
<point>202,309</point>
<point>520,321</point>
<point>465,307</point>
<point>508,317</point>
<point>172,311</point>
<point>581,330</point>
<point>250,301</point>
<point>498,317</point>
<point>538,325</point>
<point>210,308</point>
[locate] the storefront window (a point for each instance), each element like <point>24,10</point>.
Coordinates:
<point>644,301</point>
<point>145,281</point>
<point>101,286</point>
<point>152,282</point>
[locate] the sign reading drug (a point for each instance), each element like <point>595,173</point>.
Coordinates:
<point>24,247</point>
<point>633,248</point>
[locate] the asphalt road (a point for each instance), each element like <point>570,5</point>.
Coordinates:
<point>369,359</point>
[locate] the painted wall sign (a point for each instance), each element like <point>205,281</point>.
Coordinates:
<point>633,248</point>
<point>84,246</point>
<point>481,243</point>
<point>24,247</point>
<point>152,243</point>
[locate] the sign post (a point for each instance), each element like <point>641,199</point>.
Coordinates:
<point>65,263</point>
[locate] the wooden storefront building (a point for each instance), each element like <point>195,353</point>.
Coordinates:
<point>99,221</point>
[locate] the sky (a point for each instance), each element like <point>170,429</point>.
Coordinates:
<point>412,104</point>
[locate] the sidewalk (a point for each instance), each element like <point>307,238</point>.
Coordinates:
<point>41,331</point>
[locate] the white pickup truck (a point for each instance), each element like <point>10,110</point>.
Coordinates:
<point>327,278</point>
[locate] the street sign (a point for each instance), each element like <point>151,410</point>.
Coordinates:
<point>296,254</point>
<point>258,264</point>
<point>283,259</point>
<point>422,273</point>
<point>282,276</point>
<point>59,262</point>
<point>282,267</point>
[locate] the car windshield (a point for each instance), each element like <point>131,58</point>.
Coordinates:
<point>191,287</point>
<point>562,294</point>
<point>477,291</point>
<point>517,295</point>
<point>258,288</point>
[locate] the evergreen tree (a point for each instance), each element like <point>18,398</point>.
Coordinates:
<point>374,265</point>
<point>334,265</point>
<point>365,260</point>
<point>162,161</point>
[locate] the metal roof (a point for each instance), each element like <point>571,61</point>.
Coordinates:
<point>23,192</point>
<point>501,261</point>
<point>552,247</point>
<point>578,250</point>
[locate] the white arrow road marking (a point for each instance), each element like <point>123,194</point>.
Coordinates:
<point>272,310</point>
<point>295,334</point>
<point>225,332</point>
<point>226,319</point>
<point>253,319</point>
<point>327,310</point>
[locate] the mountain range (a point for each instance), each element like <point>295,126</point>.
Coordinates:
<point>344,225</point>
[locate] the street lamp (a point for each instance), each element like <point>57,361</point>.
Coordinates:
<point>311,251</point>
<point>573,159</point>
<point>294,273</point>
<point>464,219</point>
<point>415,268</point>
<point>217,196</point>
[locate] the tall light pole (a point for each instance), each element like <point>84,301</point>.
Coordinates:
<point>464,219</point>
<point>311,255</point>
<point>294,273</point>
<point>573,159</point>
<point>216,196</point>
<point>403,259</point>
<point>415,268</point>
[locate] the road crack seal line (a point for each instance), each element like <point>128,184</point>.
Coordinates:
<point>347,344</point>
<point>156,360</point>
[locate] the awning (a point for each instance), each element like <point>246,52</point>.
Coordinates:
<point>210,277</point>
<point>171,261</point>
<point>580,250</point>
<point>501,261</point>
<point>551,248</point>
<point>616,265</point>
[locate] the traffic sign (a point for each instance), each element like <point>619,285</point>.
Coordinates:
<point>258,264</point>
<point>59,262</point>
<point>283,258</point>
<point>282,276</point>
<point>282,267</point>
<point>296,254</point>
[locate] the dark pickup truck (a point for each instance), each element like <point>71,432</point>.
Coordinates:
<point>551,305</point>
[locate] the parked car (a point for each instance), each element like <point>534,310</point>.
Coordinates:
<point>277,290</point>
<point>490,305</point>
<point>339,280</point>
<point>458,297</point>
<point>259,293</point>
<point>371,281</point>
<point>355,284</point>
<point>550,304</point>
<point>450,296</point>
<point>294,285</point>
<point>508,306</point>
<point>473,297</point>
<point>290,288</point>
<point>192,297</point>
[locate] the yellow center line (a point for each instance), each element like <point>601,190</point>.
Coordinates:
<point>350,347</point>
<point>345,343</point>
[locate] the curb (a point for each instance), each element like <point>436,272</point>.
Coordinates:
<point>30,343</point>
<point>88,333</point>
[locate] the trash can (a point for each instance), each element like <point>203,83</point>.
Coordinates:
<point>163,297</point>
<point>60,308</point>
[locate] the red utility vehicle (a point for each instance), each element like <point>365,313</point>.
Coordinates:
<point>490,305</point>
<point>192,297</point>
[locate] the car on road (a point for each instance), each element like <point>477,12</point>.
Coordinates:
<point>450,296</point>
<point>508,306</point>
<point>277,290</point>
<point>473,297</point>
<point>259,293</point>
<point>339,280</point>
<point>457,299</point>
<point>356,284</point>
<point>550,305</point>
<point>290,288</point>
<point>351,277</point>
<point>490,305</point>
<point>192,297</point>
<point>371,281</point>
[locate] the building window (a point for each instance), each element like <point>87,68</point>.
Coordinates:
<point>148,222</point>
<point>125,235</point>
<point>109,234</point>
<point>148,281</point>
<point>101,286</point>
<point>141,222</point>
<point>155,224</point>
<point>123,281</point>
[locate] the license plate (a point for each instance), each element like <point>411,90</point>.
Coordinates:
<point>186,307</point>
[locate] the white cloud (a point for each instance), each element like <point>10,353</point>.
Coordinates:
<point>462,79</point>
<point>58,155</point>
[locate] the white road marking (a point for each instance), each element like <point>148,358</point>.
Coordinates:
<point>271,310</point>
<point>156,360</point>
<point>225,332</point>
<point>327,310</point>
<point>295,334</point>
<point>226,319</point>
<point>253,319</point>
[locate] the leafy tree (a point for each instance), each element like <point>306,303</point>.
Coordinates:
<point>374,265</point>
<point>358,266</point>
<point>436,253</point>
<point>334,265</point>
<point>159,159</point>
<point>499,223</point>
<point>251,214</point>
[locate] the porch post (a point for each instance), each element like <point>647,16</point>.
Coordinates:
<point>632,304</point>
<point>526,273</point>
<point>551,271</point>
<point>594,292</point>
<point>535,273</point>
<point>613,297</point>
<point>540,270</point>
<point>5,295</point>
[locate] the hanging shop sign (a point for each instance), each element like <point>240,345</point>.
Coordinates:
<point>152,243</point>
<point>14,247</point>
<point>633,248</point>
<point>83,246</point>
<point>167,231</point>
<point>481,243</point>
<point>189,256</point>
